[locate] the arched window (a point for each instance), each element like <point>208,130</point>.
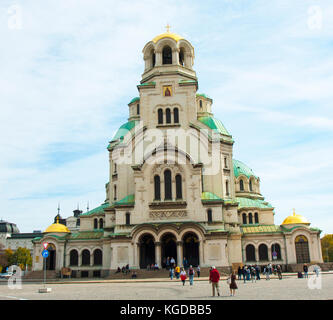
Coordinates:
<point>101,223</point>
<point>157,188</point>
<point>179,193</point>
<point>153,58</point>
<point>256,217</point>
<point>250,253</point>
<point>241,185</point>
<point>98,257</point>
<point>115,168</point>
<point>73,258</point>
<point>95,223</point>
<point>160,116</point>
<point>128,218</point>
<point>167,185</point>
<point>181,57</point>
<point>263,252</point>
<point>209,215</point>
<point>200,104</point>
<point>167,115</point>
<point>137,109</point>
<point>175,115</point>
<point>250,185</point>
<point>85,257</point>
<point>276,251</point>
<point>114,192</point>
<point>227,188</point>
<point>167,55</point>
<point>250,218</point>
<point>244,218</point>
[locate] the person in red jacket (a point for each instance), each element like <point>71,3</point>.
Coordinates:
<point>214,278</point>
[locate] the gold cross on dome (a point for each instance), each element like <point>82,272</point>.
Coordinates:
<point>167,27</point>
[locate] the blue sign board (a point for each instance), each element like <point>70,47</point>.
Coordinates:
<point>45,253</point>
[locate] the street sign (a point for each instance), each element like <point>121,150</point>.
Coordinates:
<point>45,244</point>
<point>45,254</point>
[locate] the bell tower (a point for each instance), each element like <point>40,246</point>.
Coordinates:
<point>167,54</point>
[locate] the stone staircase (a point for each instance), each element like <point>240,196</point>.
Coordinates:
<point>39,275</point>
<point>157,274</point>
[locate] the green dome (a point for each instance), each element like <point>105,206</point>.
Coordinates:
<point>134,100</point>
<point>241,168</point>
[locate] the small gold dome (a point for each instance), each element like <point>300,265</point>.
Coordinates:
<point>171,35</point>
<point>57,227</point>
<point>295,219</point>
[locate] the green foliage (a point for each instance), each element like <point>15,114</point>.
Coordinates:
<point>327,247</point>
<point>21,257</point>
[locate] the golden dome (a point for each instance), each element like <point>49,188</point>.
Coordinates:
<point>57,227</point>
<point>295,219</point>
<point>171,35</point>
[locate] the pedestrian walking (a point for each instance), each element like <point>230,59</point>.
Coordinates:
<point>253,274</point>
<point>232,283</point>
<point>248,273</point>
<point>177,272</point>
<point>172,262</point>
<point>239,273</point>
<point>257,272</point>
<point>306,270</point>
<point>244,273</point>
<point>198,271</point>
<point>191,275</point>
<point>214,278</point>
<point>167,263</point>
<point>171,273</point>
<point>266,272</point>
<point>183,276</point>
<point>317,270</point>
<point>279,271</point>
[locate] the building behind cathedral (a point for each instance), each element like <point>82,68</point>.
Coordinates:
<point>174,188</point>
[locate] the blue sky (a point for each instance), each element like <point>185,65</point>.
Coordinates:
<point>69,68</point>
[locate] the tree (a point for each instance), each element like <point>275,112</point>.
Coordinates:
<point>327,247</point>
<point>23,257</point>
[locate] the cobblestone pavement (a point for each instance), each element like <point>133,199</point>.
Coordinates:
<point>287,289</point>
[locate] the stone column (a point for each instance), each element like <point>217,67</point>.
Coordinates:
<point>201,258</point>
<point>179,253</point>
<point>158,253</point>
<point>158,58</point>
<point>256,254</point>
<point>175,56</point>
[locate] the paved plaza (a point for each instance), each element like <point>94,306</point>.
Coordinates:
<point>289,288</point>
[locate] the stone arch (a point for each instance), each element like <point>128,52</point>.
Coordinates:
<point>250,252</point>
<point>191,255</point>
<point>139,231</point>
<point>146,244</point>
<point>263,252</point>
<point>73,257</point>
<point>168,229</point>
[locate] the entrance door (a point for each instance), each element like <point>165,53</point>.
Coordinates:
<point>169,247</point>
<point>147,251</point>
<point>51,259</point>
<point>191,249</point>
<point>302,249</point>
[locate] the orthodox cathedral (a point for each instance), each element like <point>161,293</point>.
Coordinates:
<point>174,188</point>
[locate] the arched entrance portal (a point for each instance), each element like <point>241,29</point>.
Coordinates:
<point>147,250</point>
<point>169,247</point>
<point>191,249</point>
<point>302,249</point>
<point>51,259</point>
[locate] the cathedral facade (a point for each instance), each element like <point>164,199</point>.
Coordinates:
<point>174,188</point>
